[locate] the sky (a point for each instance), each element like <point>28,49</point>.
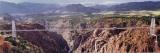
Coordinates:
<point>77,1</point>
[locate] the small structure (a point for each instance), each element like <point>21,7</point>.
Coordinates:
<point>1,18</point>
<point>29,20</point>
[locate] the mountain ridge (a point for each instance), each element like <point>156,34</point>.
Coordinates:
<point>7,7</point>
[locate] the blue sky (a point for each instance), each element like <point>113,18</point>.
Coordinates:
<point>78,1</point>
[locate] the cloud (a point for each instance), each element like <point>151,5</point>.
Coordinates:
<point>15,1</point>
<point>77,1</point>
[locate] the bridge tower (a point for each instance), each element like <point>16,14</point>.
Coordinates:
<point>14,29</point>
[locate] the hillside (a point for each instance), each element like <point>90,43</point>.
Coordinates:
<point>50,42</point>
<point>78,8</point>
<point>131,6</point>
<point>7,7</point>
<point>137,6</point>
<point>31,8</point>
<point>8,45</point>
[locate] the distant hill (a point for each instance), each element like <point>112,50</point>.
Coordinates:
<point>31,8</point>
<point>147,5</point>
<point>78,8</point>
<point>37,7</point>
<point>7,7</point>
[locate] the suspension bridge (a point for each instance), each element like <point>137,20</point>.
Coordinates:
<point>152,29</point>
<point>47,28</point>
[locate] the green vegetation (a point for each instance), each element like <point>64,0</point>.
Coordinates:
<point>20,43</point>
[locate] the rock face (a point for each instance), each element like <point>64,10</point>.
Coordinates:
<point>50,42</point>
<point>131,40</point>
<point>116,40</point>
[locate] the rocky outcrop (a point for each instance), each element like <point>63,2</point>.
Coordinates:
<point>130,40</point>
<point>117,40</point>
